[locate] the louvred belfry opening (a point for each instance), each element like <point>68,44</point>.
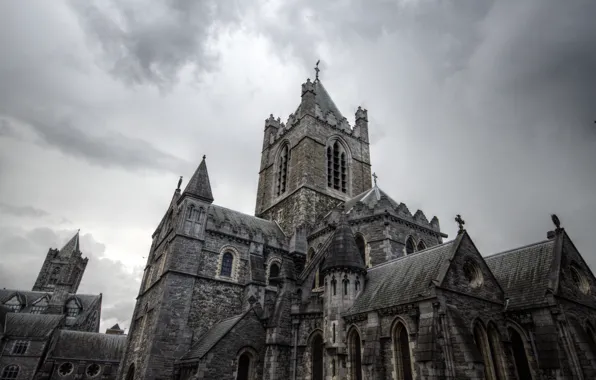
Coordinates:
<point>337,173</point>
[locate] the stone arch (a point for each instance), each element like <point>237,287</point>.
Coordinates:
<point>362,248</point>
<point>316,344</point>
<point>310,254</point>
<point>409,245</point>
<point>355,353</point>
<point>338,164</point>
<point>421,246</point>
<point>282,167</point>
<point>273,267</point>
<point>482,344</point>
<point>402,355</point>
<point>246,363</point>
<point>130,374</point>
<point>227,269</point>
<point>519,343</point>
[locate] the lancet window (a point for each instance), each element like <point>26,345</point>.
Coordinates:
<point>337,167</point>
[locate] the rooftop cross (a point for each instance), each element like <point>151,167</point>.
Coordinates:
<point>317,70</point>
<point>374,175</point>
<point>460,222</point>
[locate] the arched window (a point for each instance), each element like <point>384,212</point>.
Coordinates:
<point>316,351</point>
<point>226,264</point>
<point>355,355</point>
<point>194,219</point>
<point>273,270</point>
<point>421,246</point>
<point>333,325</point>
<point>337,167</point>
<point>72,308</point>
<point>346,285</point>
<point>401,352</point>
<point>481,340</point>
<point>244,367</point>
<point>10,372</point>
<point>54,276</point>
<point>409,245</point>
<point>357,285</point>
<point>282,170</point>
<point>494,340</point>
<point>522,366</point>
<point>311,254</point>
<point>334,285</point>
<point>361,244</point>
<point>130,375</point>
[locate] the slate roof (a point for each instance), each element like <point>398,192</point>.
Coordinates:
<point>342,251</point>
<point>240,221</point>
<point>212,336</point>
<point>88,346</point>
<point>71,247</point>
<point>324,101</point>
<point>31,325</point>
<point>402,280</point>
<point>370,198</point>
<point>524,272</point>
<point>199,185</point>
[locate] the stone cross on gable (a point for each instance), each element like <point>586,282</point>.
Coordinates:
<point>374,175</point>
<point>460,222</point>
<point>317,69</point>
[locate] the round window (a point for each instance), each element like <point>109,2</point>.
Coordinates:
<point>65,369</point>
<point>473,274</point>
<point>93,370</point>
<point>580,280</point>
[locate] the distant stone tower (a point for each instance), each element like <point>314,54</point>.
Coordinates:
<point>313,162</point>
<point>344,275</point>
<point>64,267</point>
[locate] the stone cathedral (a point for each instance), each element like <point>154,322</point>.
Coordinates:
<point>334,279</point>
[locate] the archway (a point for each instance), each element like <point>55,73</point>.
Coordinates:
<point>401,349</point>
<point>481,340</point>
<point>316,349</point>
<point>130,375</point>
<point>243,367</point>
<point>522,366</point>
<point>355,356</point>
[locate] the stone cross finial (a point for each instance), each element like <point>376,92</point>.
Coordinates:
<point>179,183</point>
<point>460,222</point>
<point>556,221</point>
<point>204,156</point>
<point>374,175</point>
<point>317,70</point>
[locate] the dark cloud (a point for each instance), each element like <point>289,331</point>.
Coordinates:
<point>27,211</point>
<point>142,44</point>
<point>23,253</point>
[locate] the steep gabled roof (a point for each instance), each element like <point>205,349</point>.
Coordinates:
<point>241,221</point>
<point>199,185</point>
<point>71,247</point>
<point>405,279</point>
<point>525,273</point>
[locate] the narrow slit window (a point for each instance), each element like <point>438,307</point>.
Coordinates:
<point>282,171</point>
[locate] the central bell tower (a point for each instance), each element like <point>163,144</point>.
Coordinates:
<point>313,162</point>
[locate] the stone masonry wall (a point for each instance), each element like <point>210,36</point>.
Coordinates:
<point>27,362</point>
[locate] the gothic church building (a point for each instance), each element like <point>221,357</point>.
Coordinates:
<point>334,279</point>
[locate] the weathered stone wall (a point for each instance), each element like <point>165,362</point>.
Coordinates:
<point>27,362</point>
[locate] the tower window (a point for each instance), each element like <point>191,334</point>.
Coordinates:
<point>273,270</point>
<point>54,276</point>
<point>282,170</point>
<point>337,167</point>
<point>226,265</point>
<point>192,225</point>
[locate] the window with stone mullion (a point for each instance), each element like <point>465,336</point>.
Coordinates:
<point>192,225</point>
<point>282,171</point>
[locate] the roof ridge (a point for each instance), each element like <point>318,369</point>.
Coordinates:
<point>517,249</point>
<point>424,251</point>
<point>243,213</point>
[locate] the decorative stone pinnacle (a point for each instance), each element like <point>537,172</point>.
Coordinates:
<point>317,70</point>
<point>179,183</point>
<point>460,222</point>
<point>556,221</point>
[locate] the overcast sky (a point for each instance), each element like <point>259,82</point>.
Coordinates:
<point>480,108</point>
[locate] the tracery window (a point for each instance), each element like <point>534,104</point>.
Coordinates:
<point>410,245</point>
<point>226,264</point>
<point>72,308</point>
<point>20,347</point>
<point>10,372</point>
<point>337,169</point>
<point>65,369</point>
<point>401,352</point>
<point>194,219</point>
<point>282,170</point>
<point>93,370</point>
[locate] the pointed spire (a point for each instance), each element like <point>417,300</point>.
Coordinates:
<point>71,247</point>
<point>343,252</point>
<point>199,185</point>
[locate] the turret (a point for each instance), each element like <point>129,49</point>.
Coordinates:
<point>271,129</point>
<point>344,273</point>
<point>361,126</point>
<point>307,105</point>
